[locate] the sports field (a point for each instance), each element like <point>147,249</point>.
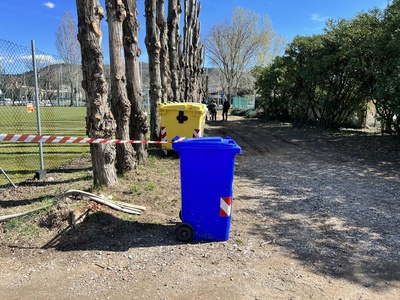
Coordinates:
<point>20,161</point>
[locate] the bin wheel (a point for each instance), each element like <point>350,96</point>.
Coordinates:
<point>184,232</point>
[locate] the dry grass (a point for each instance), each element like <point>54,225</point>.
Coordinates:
<point>155,186</point>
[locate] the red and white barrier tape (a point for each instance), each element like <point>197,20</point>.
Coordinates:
<point>31,138</point>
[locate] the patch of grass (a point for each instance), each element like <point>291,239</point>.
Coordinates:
<point>127,217</point>
<point>154,185</point>
<point>21,160</point>
<point>27,226</point>
<point>54,120</point>
<point>22,227</point>
<point>140,188</point>
<point>238,241</point>
<point>12,224</point>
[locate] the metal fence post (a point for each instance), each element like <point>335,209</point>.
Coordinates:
<point>41,173</point>
<point>33,99</point>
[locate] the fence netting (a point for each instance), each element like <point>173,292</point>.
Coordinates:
<point>60,110</point>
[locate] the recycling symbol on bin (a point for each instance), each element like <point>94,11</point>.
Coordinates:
<point>181,117</point>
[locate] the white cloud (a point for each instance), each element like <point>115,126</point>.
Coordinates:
<point>42,60</point>
<point>318,18</point>
<point>49,4</point>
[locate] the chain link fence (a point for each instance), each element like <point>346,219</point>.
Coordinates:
<point>243,103</point>
<point>50,103</point>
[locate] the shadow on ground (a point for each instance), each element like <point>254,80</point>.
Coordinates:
<point>104,232</point>
<point>330,198</point>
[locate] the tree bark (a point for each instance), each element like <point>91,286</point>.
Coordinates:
<point>99,120</point>
<point>187,48</point>
<point>138,122</point>
<point>164,54</point>
<point>174,48</point>
<point>192,53</point>
<point>153,46</point>
<point>120,105</point>
<point>198,58</point>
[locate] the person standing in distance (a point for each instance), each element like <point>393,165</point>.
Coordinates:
<point>213,110</point>
<point>225,108</point>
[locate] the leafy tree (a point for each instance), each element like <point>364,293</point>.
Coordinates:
<point>386,70</point>
<point>324,78</point>
<point>340,69</point>
<point>330,77</point>
<point>271,88</point>
<point>300,74</point>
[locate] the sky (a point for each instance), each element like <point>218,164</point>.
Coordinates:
<point>38,20</point>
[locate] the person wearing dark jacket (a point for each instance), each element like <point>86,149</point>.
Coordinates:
<point>212,107</point>
<point>225,108</point>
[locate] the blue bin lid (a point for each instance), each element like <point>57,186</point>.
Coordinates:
<point>213,143</point>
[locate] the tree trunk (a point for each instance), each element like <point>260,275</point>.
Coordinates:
<point>187,48</point>
<point>174,47</point>
<point>138,121</point>
<point>192,53</point>
<point>164,54</point>
<point>198,59</point>
<point>120,105</point>
<point>153,49</point>
<point>99,120</point>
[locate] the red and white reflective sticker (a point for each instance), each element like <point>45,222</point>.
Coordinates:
<point>225,207</point>
<point>163,134</point>
<point>196,133</point>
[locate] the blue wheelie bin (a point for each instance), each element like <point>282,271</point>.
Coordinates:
<point>207,171</point>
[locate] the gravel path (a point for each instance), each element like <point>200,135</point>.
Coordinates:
<point>308,223</point>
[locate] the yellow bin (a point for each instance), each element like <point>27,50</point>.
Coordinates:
<point>184,119</point>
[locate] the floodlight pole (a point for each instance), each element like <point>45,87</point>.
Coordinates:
<point>41,173</point>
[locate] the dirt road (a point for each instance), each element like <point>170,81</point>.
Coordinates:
<point>315,216</point>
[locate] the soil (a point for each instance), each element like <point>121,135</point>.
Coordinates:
<point>316,215</point>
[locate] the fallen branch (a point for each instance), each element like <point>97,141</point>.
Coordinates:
<point>116,205</point>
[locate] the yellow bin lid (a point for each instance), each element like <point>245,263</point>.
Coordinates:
<point>183,106</point>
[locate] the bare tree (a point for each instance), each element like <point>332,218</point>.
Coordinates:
<point>164,53</point>
<point>153,46</point>
<point>174,47</point>
<point>120,104</point>
<point>99,120</point>
<point>192,53</point>
<point>185,65</point>
<point>68,47</point>
<point>237,45</point>
<point>138,120</point>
